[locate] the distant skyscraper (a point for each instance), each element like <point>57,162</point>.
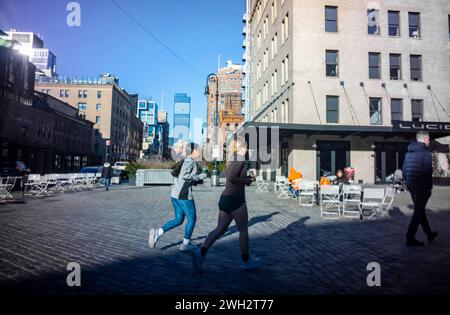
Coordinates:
<point>181,117</point>
<point>163,134</point>
<point>134,98</point>
<point>148,114</point>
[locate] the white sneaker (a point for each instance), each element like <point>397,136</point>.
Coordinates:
<point>152,238</point>
<point>198,259</point>
<point>251,264</point>
<point>188,248</point>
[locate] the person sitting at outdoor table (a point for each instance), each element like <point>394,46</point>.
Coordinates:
<point>292,179</point>
<point>340,178</point>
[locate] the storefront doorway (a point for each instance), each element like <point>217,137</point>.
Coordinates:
<point>388,158</point>
<point>331,156</point>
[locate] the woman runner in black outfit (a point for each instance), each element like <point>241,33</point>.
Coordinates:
<point>232,207</point>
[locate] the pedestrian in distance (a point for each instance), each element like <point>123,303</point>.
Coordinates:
<point>107,174</point>
<point>185,176</point>
<point>418,172</point>
<point>232,206</point>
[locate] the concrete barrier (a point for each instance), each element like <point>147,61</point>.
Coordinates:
<point>153,177</point>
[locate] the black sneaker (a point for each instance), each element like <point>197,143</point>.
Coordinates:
<point>432,236</point>
<point>414,243</point>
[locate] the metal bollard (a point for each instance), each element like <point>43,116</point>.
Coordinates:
<point>214,178</point>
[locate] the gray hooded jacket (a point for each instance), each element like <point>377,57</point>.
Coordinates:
<point>182,188</point>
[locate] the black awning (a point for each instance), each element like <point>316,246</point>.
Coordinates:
<point>402,129</point>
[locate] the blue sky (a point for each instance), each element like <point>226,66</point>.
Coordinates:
<point>109,41</point>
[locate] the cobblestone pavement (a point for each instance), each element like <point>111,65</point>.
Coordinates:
<point>106,233</point>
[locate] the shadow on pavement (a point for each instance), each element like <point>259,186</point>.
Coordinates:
<point>233,229</point>
<point>329,257</point>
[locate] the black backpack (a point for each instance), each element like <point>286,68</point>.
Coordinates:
<point>177,168</point>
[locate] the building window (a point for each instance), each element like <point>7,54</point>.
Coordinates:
<point>82,106</point>
<point>274,46</point>
<point>99,94</point>
<point>331,19</point>
<point>416,67</point>
<point>61,93</point>
<point>332,109</point>
<point>5,152</point>
<point>67,93</point>
<point>85,94</point>
<point>417,110</point>
<point>285,111</point>
<point>274,11</point>
<point>97,119</point>
<point>266,59</point>
<point>331,63</point>
<point>23,131</point>
<point>414,24</point>
<point>285,28</point>
<point>396,109</point>
<point>285,69</point>
<point>373,22</point>
<point>274,83</point>
<point>98,107</point>
<point>80,93</point>
<point>265,27</point>
<point>395,62</point>
<point>394,23</point>
<point>374,65</point>
<point>375,110</point>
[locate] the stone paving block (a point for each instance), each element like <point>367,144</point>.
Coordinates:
<point>106,232</point>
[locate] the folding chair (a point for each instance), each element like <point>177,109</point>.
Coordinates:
<point>307,194</point>
<point>91,180</point>
<point>284,192</point>
<point>52,183</point>
<point>388,200</point>
<point>279,182</point>
<point>351,197</point>
<point>372,201</point>
<point>11,182</point>
<point>261,185</point>
<point>35,185</point>
<point>98,178</point>
<point>5,193</point>
<point>330,203</point>
<point>64,182</point>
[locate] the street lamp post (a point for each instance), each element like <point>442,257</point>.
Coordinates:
<point>215,171</point>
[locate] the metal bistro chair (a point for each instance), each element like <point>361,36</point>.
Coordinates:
<point>388,200</point>
<point>98,178</point>
<point>307,194</point>
<point>330,203</point>
<point>372,201</point>
<point>52,183</point>
<point>35,185</point>
<point>279,182</point>
<point>261,185</point>
<point>64,182</point>
<point>351,201</point>
<point>5,192</point>
<point>284,192</point>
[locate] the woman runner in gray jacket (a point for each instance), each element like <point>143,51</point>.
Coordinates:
<point>182,200</point>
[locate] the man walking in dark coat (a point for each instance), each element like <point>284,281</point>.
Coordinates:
<point>107,174</point>
<point>418,172</point>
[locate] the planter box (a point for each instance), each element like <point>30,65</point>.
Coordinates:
<point>153,177</point>
<point>441,181</point>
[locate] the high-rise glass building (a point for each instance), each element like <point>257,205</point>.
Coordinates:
<point>148,114</point>
<point>181,117</point>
